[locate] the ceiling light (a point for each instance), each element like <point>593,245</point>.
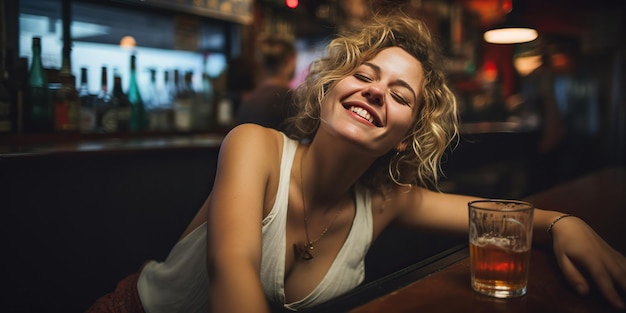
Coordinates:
<point>508,34</point>
<point>512,30</point>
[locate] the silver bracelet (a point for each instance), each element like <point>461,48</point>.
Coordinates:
<point>549,230</point>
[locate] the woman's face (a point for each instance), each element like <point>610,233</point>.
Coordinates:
<point>376,105</point>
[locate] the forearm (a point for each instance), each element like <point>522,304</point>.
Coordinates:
<point>541,222</point>
<point>449,213</point>
<point>236,289</point>
<point>439,212</point>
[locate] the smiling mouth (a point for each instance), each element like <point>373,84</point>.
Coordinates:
<point>362,113</point>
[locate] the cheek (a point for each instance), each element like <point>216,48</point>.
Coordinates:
<point>403,125</point>
<point>327,102</point>
<point>330,99</point>
<point>404,117</point>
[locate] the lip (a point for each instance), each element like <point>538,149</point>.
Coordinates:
<point>377,122</point>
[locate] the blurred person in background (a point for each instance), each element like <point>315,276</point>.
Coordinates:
<point>537,106</point>
<point>268,104</point>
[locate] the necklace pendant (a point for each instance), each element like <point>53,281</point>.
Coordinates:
<point>303,252</point>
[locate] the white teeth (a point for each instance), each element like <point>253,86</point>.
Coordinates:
<point>362,113</point>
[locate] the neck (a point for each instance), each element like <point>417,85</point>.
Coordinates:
<point>321,164</point>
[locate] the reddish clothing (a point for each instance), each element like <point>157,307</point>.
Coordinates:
<point>124,299</point>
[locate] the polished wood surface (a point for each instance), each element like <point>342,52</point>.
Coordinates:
<point>81,144</point>
<point>599,198</point>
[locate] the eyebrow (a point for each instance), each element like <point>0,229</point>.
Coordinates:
<point>399,81</point>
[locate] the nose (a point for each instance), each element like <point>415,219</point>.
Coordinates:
<point>374,94</point>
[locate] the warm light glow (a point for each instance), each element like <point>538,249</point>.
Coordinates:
<point>559,60</point>
<point>510,35</point>
<point>527,64</point>
<point>292,4</point>
<point>490,72</point>
<point>127,42</point>
<point>507,6</point>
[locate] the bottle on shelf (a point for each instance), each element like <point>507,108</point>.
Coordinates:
<point>224,110</point>
<point>66,101</point>
<point>203,117</point>
<point>138,118</point>
<point>152,101</point>
<point>87,102</point>
<point>6,122</point>
<point>67,106</point>
<point>183,103</point>
<point>167,96</point>
<point>195,119</point>
<point>104,105</point>
<point>151,94</point>
<point>224,107</point>
<point>18,87</point>
<point>171,87</point>
<point>37,110</point>
<point>122,110</point>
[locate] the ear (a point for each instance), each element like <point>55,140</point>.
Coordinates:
<point>401,146</point>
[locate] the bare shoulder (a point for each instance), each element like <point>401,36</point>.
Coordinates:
<point>250,133</point>
<point>249,159</point>
<point>252,141</point>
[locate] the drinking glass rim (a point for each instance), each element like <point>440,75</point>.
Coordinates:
<point>526,205</point>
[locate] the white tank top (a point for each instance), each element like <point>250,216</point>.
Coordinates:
<point>348,269</point>
<point>180,283</point>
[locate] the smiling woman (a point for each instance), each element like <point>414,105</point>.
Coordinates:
<point>290,228</point>
<point>380,89</point>
<point>435,103</point>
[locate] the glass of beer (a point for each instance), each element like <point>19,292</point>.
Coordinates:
<point>500,238</point>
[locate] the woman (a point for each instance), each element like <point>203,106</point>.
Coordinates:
<point>290,227</point>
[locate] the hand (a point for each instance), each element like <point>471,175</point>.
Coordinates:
<point>580,251</point>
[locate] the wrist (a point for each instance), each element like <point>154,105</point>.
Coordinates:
<point>555,221</point>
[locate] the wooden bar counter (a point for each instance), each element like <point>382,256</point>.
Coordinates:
<point>443,285</point>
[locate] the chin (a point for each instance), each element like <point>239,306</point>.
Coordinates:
<point>357,135</point>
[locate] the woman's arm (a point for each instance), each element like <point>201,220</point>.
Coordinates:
<point>579,250</point>
<point>433,211</point>
<point>235,212</point>
<point>448,213</point>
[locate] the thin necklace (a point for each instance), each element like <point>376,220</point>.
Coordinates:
<point>305,251</point>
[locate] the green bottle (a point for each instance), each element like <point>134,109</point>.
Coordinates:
<point>138,117</point>
<point>38,113</point>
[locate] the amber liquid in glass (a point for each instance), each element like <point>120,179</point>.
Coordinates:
<point>498,270</point>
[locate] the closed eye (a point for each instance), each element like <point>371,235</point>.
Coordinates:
<point>362,77</point>
<point>398,97</point>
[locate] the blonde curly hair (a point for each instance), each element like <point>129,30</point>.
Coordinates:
<point>436,122</point>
